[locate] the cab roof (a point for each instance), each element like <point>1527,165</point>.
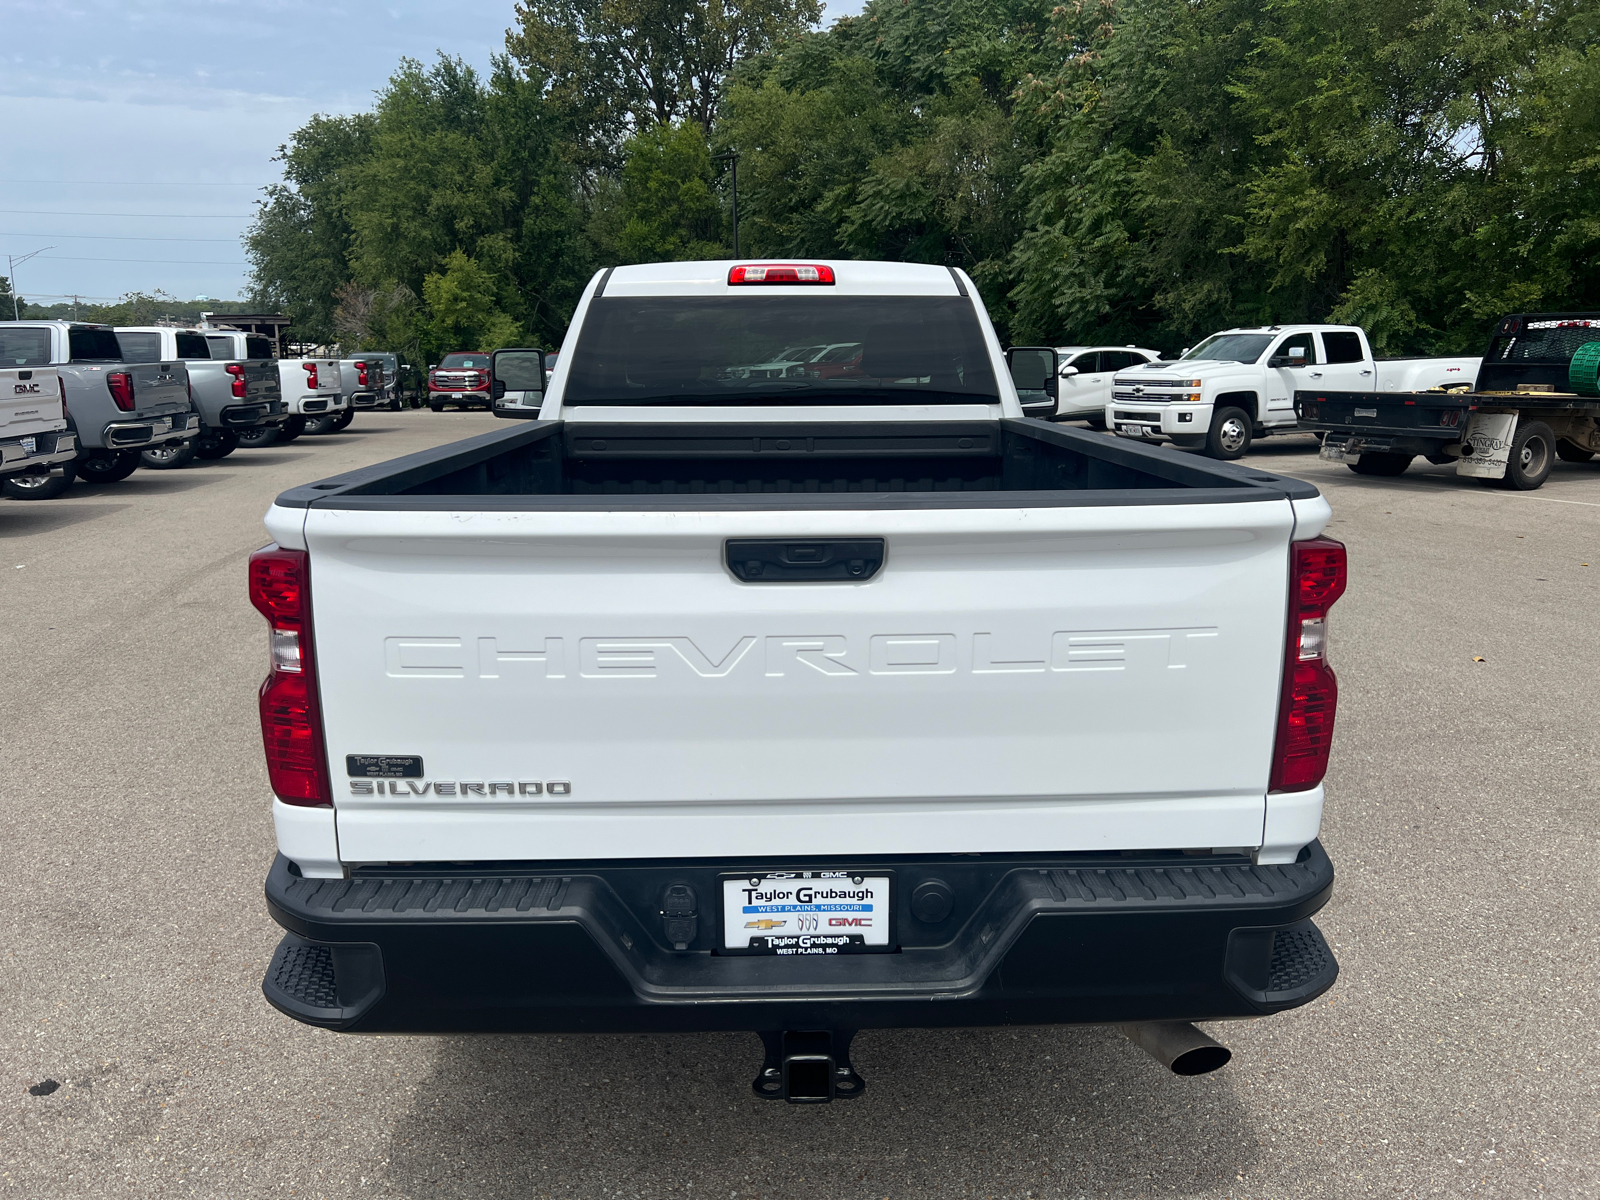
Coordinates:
<point>711,279</point>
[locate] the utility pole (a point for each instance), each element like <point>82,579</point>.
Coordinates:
<point>11,274</point>
<point>731,157</point>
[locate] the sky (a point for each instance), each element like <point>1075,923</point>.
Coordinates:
<point>136,135</point>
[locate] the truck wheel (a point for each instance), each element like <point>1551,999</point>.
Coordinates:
<point>1381,464</point>
<point>292,428</point>
<point>1230,434</point>
<point>168,458</point>
<point>261,435</point>
<point>107,466</point>
<point>1098,421</point>
<point>43,483</point>
<point>436,406</point>
<point>212,446</point>
<point>1572,452</point>
<point>1533,453</point>
<point>342,421</point>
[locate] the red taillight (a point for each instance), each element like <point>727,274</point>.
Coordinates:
<point>237,371</point>
<point>311,374</point>
<point>781,273</point>
<point>1310,689</point>
<point>361,374</point>
<point>121,385</point>
<point>291,721</point>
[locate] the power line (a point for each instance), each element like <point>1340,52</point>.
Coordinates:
<point>191,262</point>
<point>50,212</point>
<point>185,183</point>
<point>110,237</point>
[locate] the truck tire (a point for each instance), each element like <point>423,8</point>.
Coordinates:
<point>1231,431</point>
<point>1572,452</point>
<point>107,466</point>
<point>45,483</point>
<point>1381,464</point>
<point>1533,453</point>
<point>436,405</point>
<point>292,428</point>
<point>1097,422</point>
<point>342,421</point>
<point>168,458</point>
<point>212,446</point>
<point>261,435</point>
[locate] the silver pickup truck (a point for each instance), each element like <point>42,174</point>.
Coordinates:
<point>116,408</point>
<point>231,396</point>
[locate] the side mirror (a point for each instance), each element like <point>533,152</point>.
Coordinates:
<point>516,382</point>
<point>1287,360</point>
<point>1034,371</point>
<point>1068,372</point>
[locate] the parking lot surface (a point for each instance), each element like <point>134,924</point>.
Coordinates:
<point>1458,1055</point>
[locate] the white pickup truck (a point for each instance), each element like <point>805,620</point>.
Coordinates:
<point>312,388</point>
<point>1240,384</point>
<point>33,419</point>
<point>796,705</point>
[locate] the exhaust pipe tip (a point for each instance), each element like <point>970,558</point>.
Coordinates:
<point>1178,1046</point>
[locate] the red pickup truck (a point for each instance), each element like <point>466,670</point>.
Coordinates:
<point>462,379</point>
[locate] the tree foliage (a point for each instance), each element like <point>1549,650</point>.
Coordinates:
<point>1108,170</point>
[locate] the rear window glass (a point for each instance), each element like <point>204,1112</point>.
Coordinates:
<point>139,347</point>
<point>258,347</point>
<point>97,345</point>
<point>781,350</point>
<point>1546,341</point>
<point>480,361</point>
<point>193,345</point>
<point>24,347</point>
<point>1342,347</point>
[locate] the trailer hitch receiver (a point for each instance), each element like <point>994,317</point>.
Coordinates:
<point>808,1067</point>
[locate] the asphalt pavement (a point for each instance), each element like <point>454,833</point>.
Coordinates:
<point>1457,1055</point>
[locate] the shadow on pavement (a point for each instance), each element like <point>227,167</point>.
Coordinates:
<point>958,1113</point>
<point>20,518</point>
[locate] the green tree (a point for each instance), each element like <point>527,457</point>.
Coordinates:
<point>664,206</point>
<point>461,311</point>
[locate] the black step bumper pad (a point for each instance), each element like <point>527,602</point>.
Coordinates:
<point>506,948</point>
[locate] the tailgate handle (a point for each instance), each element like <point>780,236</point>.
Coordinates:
<point>808,560</point>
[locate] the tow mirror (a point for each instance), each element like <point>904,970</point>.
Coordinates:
<point>516,382</point>
<point>1034,371</point>
<point>1295,357</point>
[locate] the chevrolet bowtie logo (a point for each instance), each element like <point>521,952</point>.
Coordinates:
<point>1139,389</point>
<point>765,923</point>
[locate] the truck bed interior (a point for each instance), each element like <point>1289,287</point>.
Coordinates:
<point>554,464</point>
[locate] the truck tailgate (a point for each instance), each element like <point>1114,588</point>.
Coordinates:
<point>597,684</point>
<point>30,401</point>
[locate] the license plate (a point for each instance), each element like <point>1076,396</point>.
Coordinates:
<point>30,445</point>
<point>1136,430</point>
<point>802,913</point>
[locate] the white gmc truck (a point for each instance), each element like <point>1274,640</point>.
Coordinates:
<point>1239,384</point>
<point>698,701</point>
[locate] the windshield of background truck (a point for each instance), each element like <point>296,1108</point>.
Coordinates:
<point>140,347</point>
<point>1233,347</point>
<point>1552,341</point>
<point>478,361</point>
<point>698,350</point>
<point>24,347</point>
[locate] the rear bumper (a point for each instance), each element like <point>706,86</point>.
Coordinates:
<point>152,431</point>
<point>1069,939</point>
<point>364,399</point>
<point>313,405</point>
<point>250,416</point>
<point>22,454</point>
